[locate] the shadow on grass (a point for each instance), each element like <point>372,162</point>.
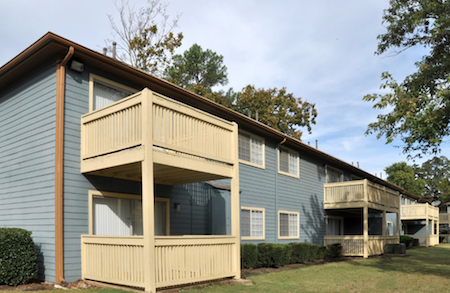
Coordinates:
<point>421,260</point>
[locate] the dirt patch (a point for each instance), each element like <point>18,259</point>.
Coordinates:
<point>35,286</point>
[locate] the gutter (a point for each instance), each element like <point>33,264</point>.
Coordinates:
<point>59,164</point>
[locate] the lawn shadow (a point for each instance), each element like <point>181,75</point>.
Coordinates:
<point>420,260</point>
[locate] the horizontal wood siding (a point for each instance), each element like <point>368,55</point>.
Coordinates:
<point>27,143</point>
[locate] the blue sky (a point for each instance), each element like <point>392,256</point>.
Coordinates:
<point>322,51</point>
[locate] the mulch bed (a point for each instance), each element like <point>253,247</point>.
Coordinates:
<point>34,286</point>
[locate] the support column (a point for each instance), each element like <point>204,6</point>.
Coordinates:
<point>366,230</point>
<point>235,206</point>
<point>148,210</point>
<point>427,221</point>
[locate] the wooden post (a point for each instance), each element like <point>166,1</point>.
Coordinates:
<point>148,217</point>
<point>366,219</point>
<point>235,205</point>
<point>427,221</point>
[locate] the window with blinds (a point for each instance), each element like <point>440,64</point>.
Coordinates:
<point>334,175</point>
<point>104,92</point>
<point>251,149</point>
<point>289,225</point>
<point>288,162</point>
<point>252,223</point>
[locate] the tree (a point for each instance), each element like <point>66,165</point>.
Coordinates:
<point>404,175</point>
<point>420,104</point>
<point>436,174</point>
<point>197,70</point>
<point>277,109</point>
<point>146,37</point>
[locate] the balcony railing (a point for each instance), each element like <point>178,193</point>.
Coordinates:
<point>178,259</point>
<point>358,192</point>
<point>444,218</point>
<point>175,126</point>
<point>353,245</point>
<point>419,211</point>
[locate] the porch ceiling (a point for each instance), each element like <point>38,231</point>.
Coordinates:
<point>163,174</point>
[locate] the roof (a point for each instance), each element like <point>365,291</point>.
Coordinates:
<point>52,45</point>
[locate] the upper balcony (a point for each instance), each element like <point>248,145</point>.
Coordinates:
<point>419,211</point>
<point>444,218</point>
<point>356,194</point>
<point>188,145</point>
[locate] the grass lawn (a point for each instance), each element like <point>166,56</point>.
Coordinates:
<point>423,270</point>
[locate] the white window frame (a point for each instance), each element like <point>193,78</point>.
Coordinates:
<point>263,151</point>
<point>334,169</point>
<point>98,193</point>
<point>297,224</point>
<point>297,158</point>
<point>96,78</point>
<point>263,210</point>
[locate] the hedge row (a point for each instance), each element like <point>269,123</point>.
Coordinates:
<point>409,241</point>
<point>18,260</point>
<point>278,255</point>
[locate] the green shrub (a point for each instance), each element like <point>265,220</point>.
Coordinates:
<point>334,250</point>
<point>274,255</point>
<point>18,260</point>
<point>300,252</point>
<point>415,242</point>
<point>321,251</point>
<point>249,256</point>
<point>407,240</point>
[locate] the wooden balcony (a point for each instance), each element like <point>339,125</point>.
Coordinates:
<point>353,245</point>
<point>419,212</point>
<point>360,193</point>
<point>178,259</point>
<point>444,218</point>
<point>188,145</point>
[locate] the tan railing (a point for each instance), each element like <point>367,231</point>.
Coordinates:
<point>188,259</point>
<point>178,259</point>
<point>434,240</point>
<point>353,245</point>
<point>444,218</point>
<point>359,191</point>
<point>117,260</point>
<point>419,211</point>
<point>176,126</point>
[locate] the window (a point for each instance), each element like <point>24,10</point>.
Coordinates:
<point>114,214</point>
<point>251,149</point>
<point>252,223</point>
<point>289,223</point>
<point>389,228</point>
<point>334,175</point>
<point>104,92</point>
<point>288,162</point>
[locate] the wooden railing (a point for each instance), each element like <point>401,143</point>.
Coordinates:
<point>444,218</point>
<point>360,191</point>
<point>353,245</point>
<point>176,126</point>
<point>178,259</point>
<point>188,259</point>
<point>419,211</point>
<point>117,260</point>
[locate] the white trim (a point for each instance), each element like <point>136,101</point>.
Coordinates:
<point>263,151</point>
<point>94,77</point>
<point>297,225</point>
<point>263,210</point>
<point>290,151</point>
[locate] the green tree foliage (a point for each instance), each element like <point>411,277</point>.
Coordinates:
<point>277,109</point>
<point>436,174</point>
<point>420,104</point>
<point>404,175</point>
<point>197,70</point>
<point>146,36</point>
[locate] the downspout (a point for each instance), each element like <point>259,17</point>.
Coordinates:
<point>59,155</point>
<point>276,188</point>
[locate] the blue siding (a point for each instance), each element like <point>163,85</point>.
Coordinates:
<point>27,142</point>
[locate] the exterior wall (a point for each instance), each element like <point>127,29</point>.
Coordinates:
<point>268,189</point>
<point>27,169</point>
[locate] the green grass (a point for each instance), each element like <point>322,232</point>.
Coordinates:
<point>424,270</point>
